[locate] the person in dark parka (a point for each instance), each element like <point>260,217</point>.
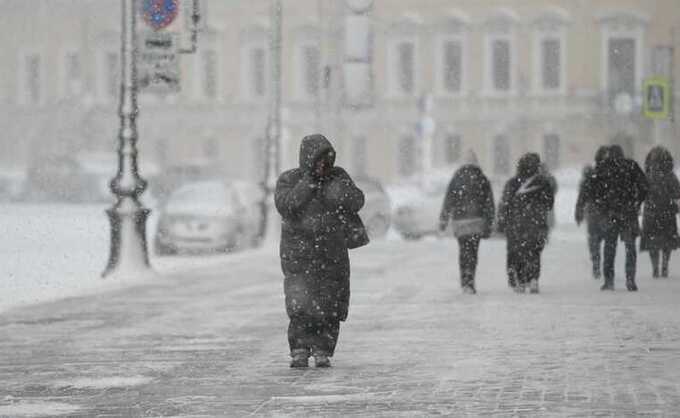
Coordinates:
<point>522,216</point>
<point>618,189</point>
<point>586,210</point>
<point>659,225</point>
<point>469,206</point>
<point>314,200</point>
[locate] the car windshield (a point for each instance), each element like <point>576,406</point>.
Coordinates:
<point>203,194</point>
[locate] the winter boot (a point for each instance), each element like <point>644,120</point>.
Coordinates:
<point>596,272</point>
<point>300,358</point>
<point>631,286</point>
<point>321,360</point>
<point>533,286</point>
<point>519,288</point>
<point>607,285</point>
<point>469,289</point>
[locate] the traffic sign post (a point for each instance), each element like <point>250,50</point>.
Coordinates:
<point>158,64</point>
<point>657,98</point>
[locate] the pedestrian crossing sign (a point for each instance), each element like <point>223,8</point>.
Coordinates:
<point>657,98</point>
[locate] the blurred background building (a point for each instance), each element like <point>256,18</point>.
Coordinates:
<point>399,85</point>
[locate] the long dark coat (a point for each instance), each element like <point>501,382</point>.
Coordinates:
<point>468,196</point>
<point>617,189</point>
<point>659,225</point>
<point>527,199</point>
<point>314,256</point>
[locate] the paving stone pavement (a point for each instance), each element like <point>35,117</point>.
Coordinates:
<point>212,343</point>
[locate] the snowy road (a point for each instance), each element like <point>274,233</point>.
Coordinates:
<point>212,343</point>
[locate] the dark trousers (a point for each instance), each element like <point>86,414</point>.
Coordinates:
<point>524,260</point>
<point>594,246</point>
<point>610,242</point>
<point>468,247</point>
<point>313,334</point>
<point>666,256</point>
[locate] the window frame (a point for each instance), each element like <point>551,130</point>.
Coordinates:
<point>24,79</point>
<point>393,85</point>
<point>440,63</point>
<point>301,92</point>
<point>622,27</point>
<point>248,90</point>
<point>538,78</point>
<point>489,89</point>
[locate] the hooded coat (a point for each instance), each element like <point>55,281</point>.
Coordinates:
<point>468,196</point>
<point>527,199</point>
<point>313,249</point>
<point>617,189</point>
<point>659,225</point>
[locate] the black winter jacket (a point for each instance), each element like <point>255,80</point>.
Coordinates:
<point>314,256</point>
<point>468,196</point>
<point>527,199</point>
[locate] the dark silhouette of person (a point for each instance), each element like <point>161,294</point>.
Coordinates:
<point>315,201</point>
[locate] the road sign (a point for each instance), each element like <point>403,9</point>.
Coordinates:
<point>158,63</point>
<point>159,13</point>
<point>657,98</point>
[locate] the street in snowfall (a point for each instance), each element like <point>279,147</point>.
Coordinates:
<point>207,335</point>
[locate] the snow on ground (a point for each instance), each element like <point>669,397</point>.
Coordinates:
<point>54,251</point>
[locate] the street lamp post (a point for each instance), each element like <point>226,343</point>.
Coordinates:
<point>273,133</point>
<point>128,254</point>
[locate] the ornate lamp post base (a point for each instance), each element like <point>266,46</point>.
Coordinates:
<point>128,255</point>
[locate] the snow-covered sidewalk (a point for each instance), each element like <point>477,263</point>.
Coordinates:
<point>210,341</point>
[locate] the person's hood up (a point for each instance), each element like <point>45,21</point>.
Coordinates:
<point>314,147</point>
<point>601,154</point>
<point>528,165</point>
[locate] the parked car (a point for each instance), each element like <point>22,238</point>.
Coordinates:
<point>417,203</point>
<point>376,212</point>
<point>208,216</point>
<point>163,183</point>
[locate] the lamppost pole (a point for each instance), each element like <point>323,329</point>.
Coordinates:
<point>273,134</point>
<point>128,253</point>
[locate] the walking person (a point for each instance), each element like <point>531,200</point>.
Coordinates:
<point>588,211</point>
<point>522,216</point>
<point>318,202</point>
<point>659,225</point>
<point>469,206</point>
<point>619,187</point>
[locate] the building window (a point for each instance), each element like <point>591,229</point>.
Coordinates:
<point>209,58</point>
<point>112,74</point>
<point>501,155</point>
<point>406,67</point>
<point>501,62</point>
<point>72,74</point>
<point>622,66</point>
<point>33,79</point>
<point>311,57</point>
<point>257,72</point>
<point>551,63</point>
<point>452,148</point>
<point>359,155</point>
<point>452,51</point>
<point>551,151</point>
<point>407,156</point>
<point>402,69</point>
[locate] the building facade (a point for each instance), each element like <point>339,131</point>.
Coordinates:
<point>400,86</point>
